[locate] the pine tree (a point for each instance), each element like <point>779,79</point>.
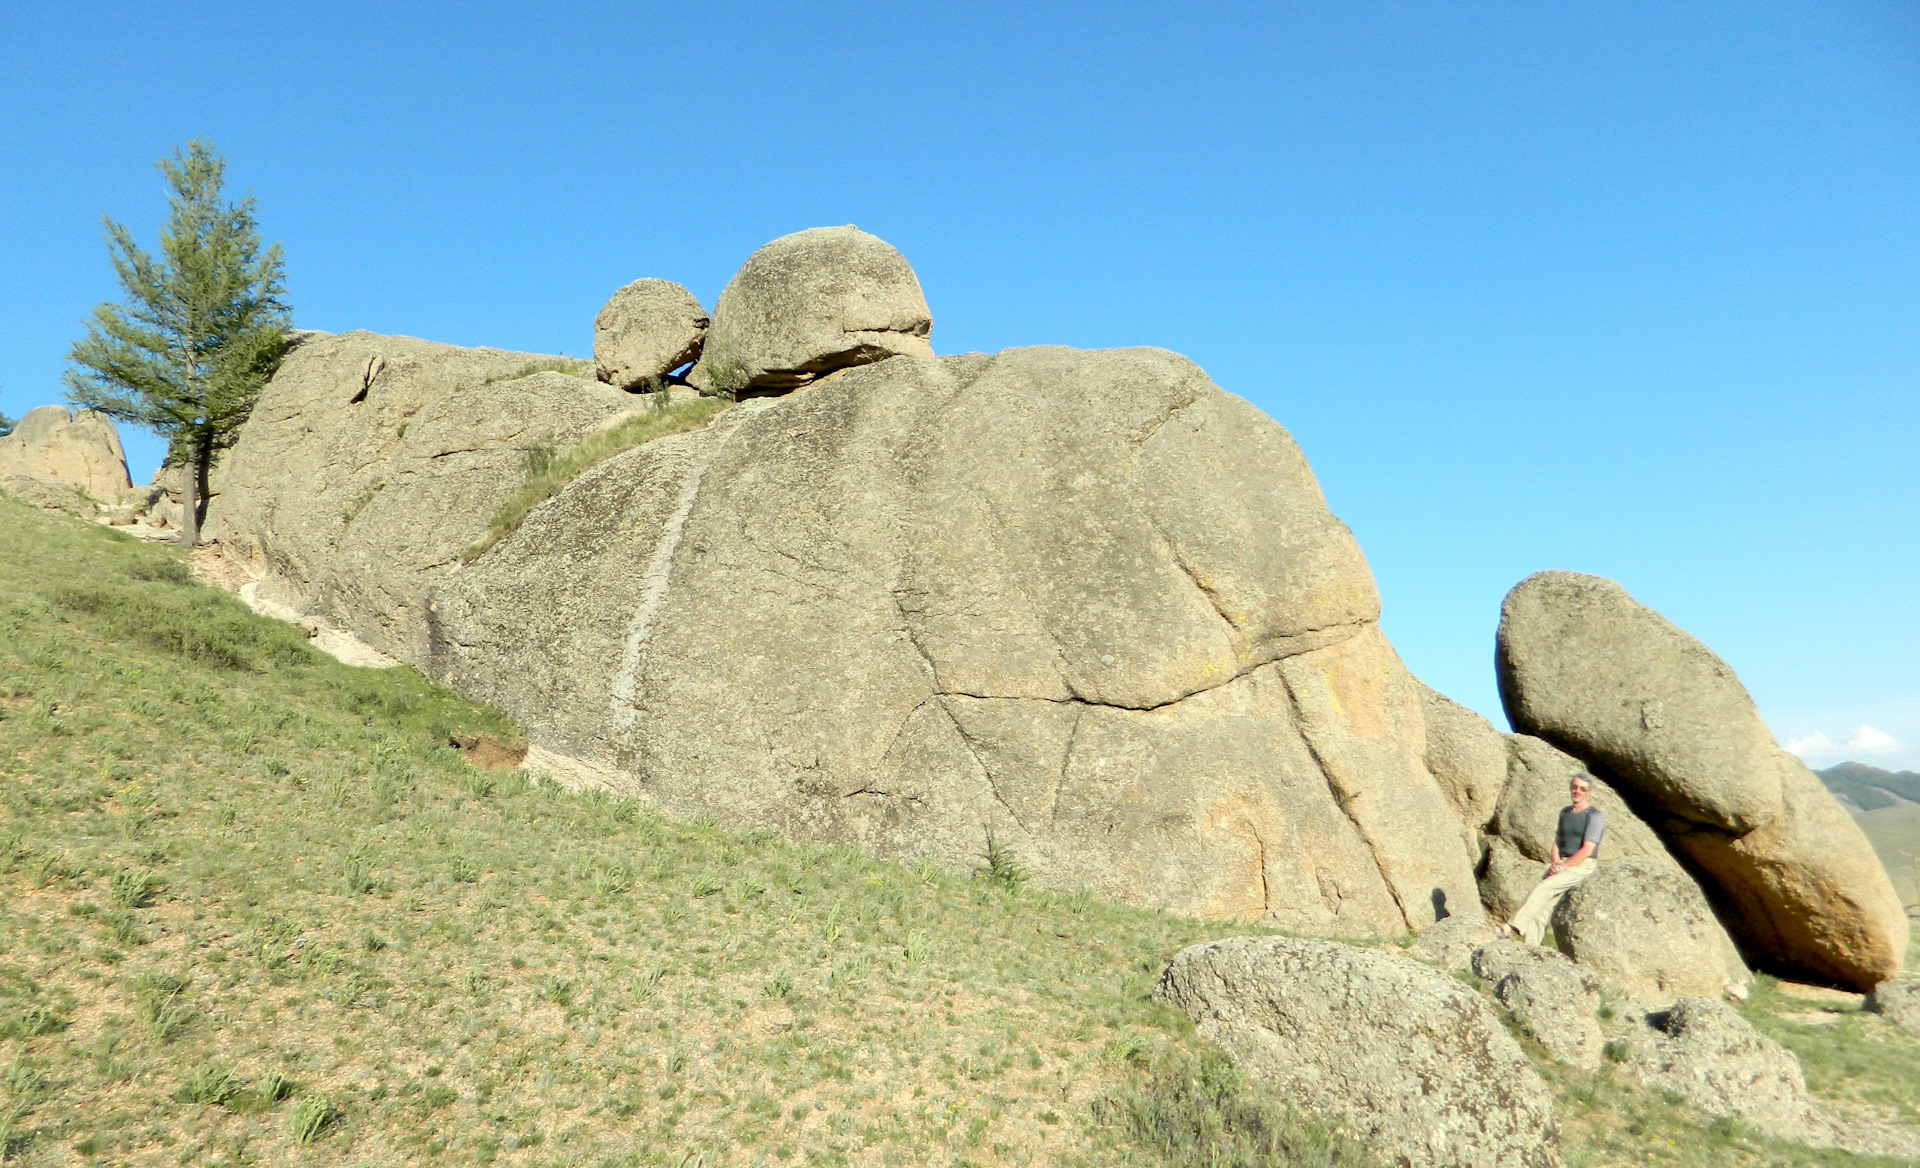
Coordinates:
<point>203,327</point>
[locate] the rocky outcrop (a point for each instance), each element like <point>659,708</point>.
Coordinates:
<point>1644,927</point>
<point>1450,943</point>
<point>647,329</point>
<point>371,463</point>
<point>1899,1003</point>
<point>807,304</point>
<point>927,596</point>
<point>1703,1051</point>
<point>1519,840</point>
<point>1555,1001</point>
<point>81,450</point>
<point>1650,709</point>
<point>1401,1056</point>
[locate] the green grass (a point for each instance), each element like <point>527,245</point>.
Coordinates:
<point>254,909</point>
<point>548,470</point>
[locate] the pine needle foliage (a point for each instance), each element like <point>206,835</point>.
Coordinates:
<point>203,325</point>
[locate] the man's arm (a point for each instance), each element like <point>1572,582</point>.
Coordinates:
<point>1586,849</point>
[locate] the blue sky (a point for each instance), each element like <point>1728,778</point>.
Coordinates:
<point>1631,289</point>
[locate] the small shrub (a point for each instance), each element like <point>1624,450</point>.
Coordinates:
<point>313,1116</point>
<point>557,990</point>
<point>33,1022</point>
<point>275,1086</point>
<point>157,1002</point>
<point>132,889</point>
<point>211,1085</point>
<point>1002,867</point>
<point>356,874</point>
<point>463,870</point>
<point>780,985</point>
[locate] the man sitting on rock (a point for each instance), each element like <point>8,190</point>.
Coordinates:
<point>1575,841</point>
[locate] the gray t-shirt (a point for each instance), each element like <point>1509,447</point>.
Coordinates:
<point>1580,827</point>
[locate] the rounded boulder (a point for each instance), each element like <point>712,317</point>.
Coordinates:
<point>1645,929</point>
<point>808,304</point>
<point>647,329</point>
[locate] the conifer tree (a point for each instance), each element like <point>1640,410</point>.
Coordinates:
<point>203,326</point>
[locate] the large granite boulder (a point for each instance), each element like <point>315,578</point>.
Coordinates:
<point>371,463</point>
<point>1554,1000</point>
<point>1085,598</point>
<point>645,331</point>
<point>1389,1051</point>
<point>1653,711</point>
<point>1645,928</point>
<point>81,450</point>
<point>807,304</point>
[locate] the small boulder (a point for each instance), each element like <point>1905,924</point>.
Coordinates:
<point>80,450</point>
<point>1652,710</point>
<point>1381,1047</point>
<point>1705,1052</point>
<point>1449,943</point>
<point>647,329</point>
<point>1899,1003</point>
<point>808,304</point>
<point>1646,929</point>
<point>46,494</point>
<point>1554,1000</point>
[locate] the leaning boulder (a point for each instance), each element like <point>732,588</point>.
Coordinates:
<point>1554,1000</point>
<point>80,450</point>
<point>371,463</point>
<point>1400,1056</point>
<point>647,329</point>
<point>1645,928</point>
<point>928,596</point>
<point>807,304</point>
<point>1652,710</point>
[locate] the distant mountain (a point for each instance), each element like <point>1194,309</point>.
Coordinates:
<point>1866,787</point>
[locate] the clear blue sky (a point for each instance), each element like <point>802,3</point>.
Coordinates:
<point>1626,288</point>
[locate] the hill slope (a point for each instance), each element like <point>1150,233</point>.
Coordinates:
<point>257,911</point>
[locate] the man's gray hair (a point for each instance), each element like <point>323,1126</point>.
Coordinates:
<point>1584,779</point>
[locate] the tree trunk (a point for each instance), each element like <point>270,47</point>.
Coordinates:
<point>195,503</point>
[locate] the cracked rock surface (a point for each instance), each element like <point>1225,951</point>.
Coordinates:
<point>1084,597</point>
<point>371,462</point>
<point>1656,714</point>
<point>807,304</point>
<point>1390,1051</point>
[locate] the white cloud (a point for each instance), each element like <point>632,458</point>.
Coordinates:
<point>1868,740</point>
<point>1814,747</point>
<point>1821,749</point>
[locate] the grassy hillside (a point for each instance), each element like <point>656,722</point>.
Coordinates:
<point>1892,824</point>
<point>1869,787</point>
<point>256,911</point>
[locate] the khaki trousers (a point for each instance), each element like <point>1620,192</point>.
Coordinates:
<point>1532,919</point>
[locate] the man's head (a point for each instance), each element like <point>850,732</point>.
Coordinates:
<point>1580,786</point>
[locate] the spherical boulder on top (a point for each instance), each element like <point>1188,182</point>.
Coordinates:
<point>807,304</point>
<point>648,329</point>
